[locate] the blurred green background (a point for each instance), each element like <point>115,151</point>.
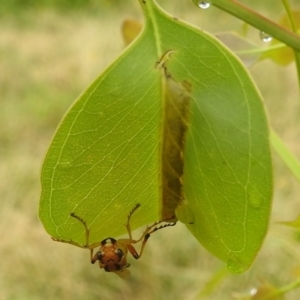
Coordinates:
<point>49,52</point>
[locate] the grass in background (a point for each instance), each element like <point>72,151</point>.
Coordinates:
<point>47,57</point>
<point>61,5</point>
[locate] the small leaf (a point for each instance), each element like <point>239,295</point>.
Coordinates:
<point>175,124</point>
<point>295,223</point>
<point>266,292</point>
<point>130,30</point>
<point>283,55</point>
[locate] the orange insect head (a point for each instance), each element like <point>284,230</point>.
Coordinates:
<point>110,255</point>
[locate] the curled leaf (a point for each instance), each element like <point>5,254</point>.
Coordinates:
<point>175,124</point>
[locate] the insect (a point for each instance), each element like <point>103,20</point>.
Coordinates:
<point>112,254</point>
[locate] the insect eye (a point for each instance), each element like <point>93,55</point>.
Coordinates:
<point>99,255</point>
<point>119,252</point>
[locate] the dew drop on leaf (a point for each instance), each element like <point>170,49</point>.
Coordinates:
<point>265,37</point>
<point>204,4</point>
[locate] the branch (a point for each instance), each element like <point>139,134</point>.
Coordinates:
<point>256,20</point>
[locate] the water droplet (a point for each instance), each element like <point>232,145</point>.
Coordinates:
<point>253,291</point>
<point>234,264</point>
<point>204,4</point>
<point>265,37</point>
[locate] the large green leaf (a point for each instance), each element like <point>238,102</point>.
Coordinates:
<point>175,123</point>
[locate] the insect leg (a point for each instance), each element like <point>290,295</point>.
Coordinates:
<point>149,231</point>
<point>87,235</point>
<point>145,236</point>
<point>67,242</point>
<point>87,231</point>
<point>128,220</point>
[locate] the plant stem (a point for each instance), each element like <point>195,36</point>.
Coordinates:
<point>290,286</point>
<point>256,20</point>
<point>289,12</point>
<point>261,50</point>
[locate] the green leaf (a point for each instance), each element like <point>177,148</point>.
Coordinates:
<point>175,124</point>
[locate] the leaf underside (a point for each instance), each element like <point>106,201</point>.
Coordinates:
<point>175,124</point>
